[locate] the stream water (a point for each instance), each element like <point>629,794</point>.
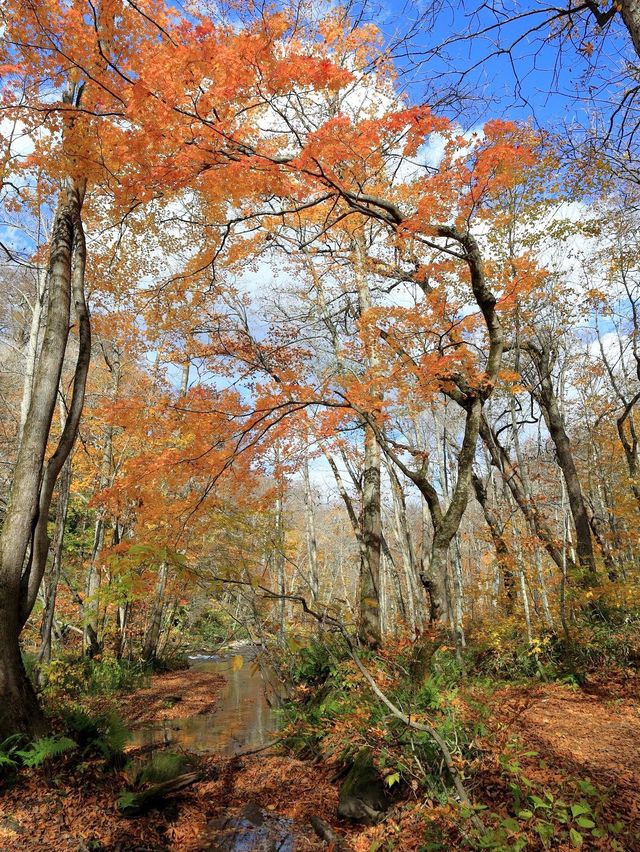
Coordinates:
<point>244,718</point>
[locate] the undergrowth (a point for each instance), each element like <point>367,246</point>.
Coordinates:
<point>70,678</point>
<point>600,638</point>
<point>335,715</point>
<point>77,734</point>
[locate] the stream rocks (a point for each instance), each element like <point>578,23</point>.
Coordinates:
<point>251,830</point>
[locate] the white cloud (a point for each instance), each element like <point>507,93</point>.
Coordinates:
<point>21,142</point>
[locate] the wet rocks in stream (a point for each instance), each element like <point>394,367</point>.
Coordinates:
<point>251,830</point>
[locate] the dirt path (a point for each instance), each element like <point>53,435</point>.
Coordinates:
<point>584,735</point>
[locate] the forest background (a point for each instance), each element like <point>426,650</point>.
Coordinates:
<point>321,329</point>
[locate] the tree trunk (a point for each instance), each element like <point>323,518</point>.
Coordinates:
<point>523,591</point>
<point>369,631</point>
<point>503,557</point>
<point>122,623</point>
<point>547,399</point>
<point>414,607</point>
<point>533,520</point>
<point>51,585</point>
<point>369,627</point>
<point>310,526</point>
<point>19,708</point>
<point>280,561</point>
<point>91,640</point>
<point>31,355</point>
<point>501,461</point>
<point>630,11</point>
<point>471,401</point>
<point>32,576</point>
<point>446,524</point>
<point>32,484</point>
<point>152,635</point>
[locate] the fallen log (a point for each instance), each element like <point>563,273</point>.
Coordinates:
<point>133,804</point>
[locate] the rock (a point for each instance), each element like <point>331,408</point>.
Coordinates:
<point>251,830</point>
<point>363,796</point>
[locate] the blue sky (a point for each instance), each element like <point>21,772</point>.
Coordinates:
<point>552,80</point>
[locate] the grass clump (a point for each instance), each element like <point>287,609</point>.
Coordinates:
<point>161,766</point>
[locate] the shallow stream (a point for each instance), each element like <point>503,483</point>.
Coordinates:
<point>245,717</point>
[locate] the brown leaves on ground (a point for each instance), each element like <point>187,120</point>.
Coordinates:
<point>589,734</point>
<point>281,785</point>
<point>583,735</point>
<point>578,734</point>
<point>69,812</point>
<point>172,695</point>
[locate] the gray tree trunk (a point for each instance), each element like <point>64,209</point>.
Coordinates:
<point>53,578</point>
<point>33,346</point>
<point>23,542</point>
<point>546,397</point>
<point>310,526</point>
<point>152,636</point>
<point>369,627</point>
<point>369,630</point>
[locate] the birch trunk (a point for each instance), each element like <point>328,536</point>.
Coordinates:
<point>369,630</point>
<point>33,345</point>
<point>310,527</point>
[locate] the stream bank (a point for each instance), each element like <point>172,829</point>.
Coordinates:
<point>216,709</point>
<point>169,696</point>
<point>71,803</point>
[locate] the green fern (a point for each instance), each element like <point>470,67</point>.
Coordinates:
<point>126,800</point>
<point>8,752</point>
<point>115,737</point>
<point>85,729</point>
<point>163,766</point>
<point>44,749</point>
<point>105,734</point>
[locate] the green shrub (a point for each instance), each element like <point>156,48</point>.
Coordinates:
<point>73,677</point>
<point>9,758</point>
<point>447,667</point>
<point>108,675</point>
<point>213,628</point>
<point>316,662</point>
<point>174,663</point>
<point>429,697</point>
<point>614,639</point>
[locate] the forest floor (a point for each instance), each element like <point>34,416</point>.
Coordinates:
<point>589,734</point>
<point>593,733</point>
<point>172,695</point>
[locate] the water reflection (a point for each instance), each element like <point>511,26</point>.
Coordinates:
<point>243,719</point>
